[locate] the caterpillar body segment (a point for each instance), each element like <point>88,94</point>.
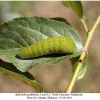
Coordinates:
<point>58,44</point>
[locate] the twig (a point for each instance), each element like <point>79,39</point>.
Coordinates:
<point>81,59</point>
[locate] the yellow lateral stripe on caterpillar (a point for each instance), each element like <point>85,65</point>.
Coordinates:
<point>58,44</point>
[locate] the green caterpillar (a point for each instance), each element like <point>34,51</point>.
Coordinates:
<point>58,44</point>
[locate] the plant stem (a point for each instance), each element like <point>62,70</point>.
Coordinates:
<point>73,79</point>
<point>86,29</point>
<point>83,55</point>
<point>90,34</point>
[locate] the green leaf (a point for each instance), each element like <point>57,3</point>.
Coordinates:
<point>76,6</point>
<point>83,69</point>
<point>24,31</point>
<point>9,69</point>
<point>63,20</point>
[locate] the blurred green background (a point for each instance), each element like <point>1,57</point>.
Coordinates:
<point>56,78</point>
